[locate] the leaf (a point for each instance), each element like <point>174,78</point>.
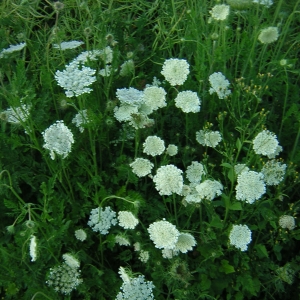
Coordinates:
<point>238,144</point>
<point>216,222</point>
<point>10,204</point>
<point>226,267</point>
<point>227,165</point>
<point>204,282</point>
<point>231,175</point>
<point>236,206</point>
<point>261,251</point>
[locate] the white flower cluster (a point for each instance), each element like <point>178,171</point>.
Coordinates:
<point>240,236</point>
<point>194,172</point>
<point>175,71</point>
<point>33,248</point>
<point>266,3</point>
<point>208,138</point>
<point>64,278</point>
<point>12,48</point>
<point>141,167</point>
<point>188,101</point>
<point>71,261</point>
<point>239,168</point>
<point>172,150</point>
<point>286,273</point>
<point>153,146</point>
<point>286,221</point>
<point>133,108</point>
<point>168,180</point>
<point>16,115</point>
<point>163,234</point>
<point>127,220</point>
<point>143,256</point>
<point>166,236</point>
<point>209,189</point>
<point>250,186</point>
<point>169,253</point>
<point>122,240</point>
<point>101,220</point>
<point>135,288</point>
<point>68,45</point>
<point>273,172</point>
<point>220,12</point>
<point>154,97</point>
<point>127,68</point>
<point>105,54</point>
<point>268,35</point>
<point>266,143</point>
<point>75,79</point>
<point>80,235</point>
<point>58,139</point>
<point>219,84</point>
<point>81,119</point>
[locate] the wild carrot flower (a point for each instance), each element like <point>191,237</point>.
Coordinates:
<point>240,236</point>
<point>219,84</point>
<point>33,248</point>
<point>168,180</point>
<point>141,167</point>
<point>11,49</point>
<point>268,35</point>
<point>188,101</point>
<point>208,138</point>
<point>80,234</point>
<point>75,80</point>
<point>194,172</point>
<point>163,234</point>
<point>250,186</point>
<point>220,12</point>
<point>68,45</point>
<point>286,221</point>
<point>175,71</point>
<point>273,172</point>
<point>265,143</point>
<point>153,146</point>
<point>58,139</point>
<point>101,220</point>
<point>127,220</point>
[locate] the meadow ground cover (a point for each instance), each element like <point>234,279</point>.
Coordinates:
<point>149,149</point>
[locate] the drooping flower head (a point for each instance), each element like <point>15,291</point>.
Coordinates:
<point>250,186</point>
<point>188,101</point>
<point>12,48</point>
<point>71,260</point>
<point>175,71</point>
<point>101,220</point>
<point>68,45</point>
<point>17,115</point>
<point>240,236</point>
<point>163,234</point>
<point>268,35</point>
<point>33,248</point>
<point>168,180</point>
<point>58,139</point>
